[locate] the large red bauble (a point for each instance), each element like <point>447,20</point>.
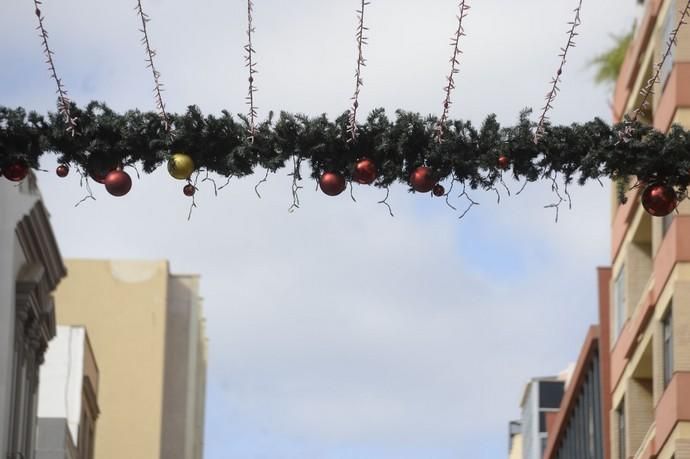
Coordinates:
<point>16,172</point>
<point>332,183</point>
<point>659,200</point>
<point>503,162</point>
<point>62,170</point>
<point>118,183</point>
<point>365,172</point>
<point>422,179</point>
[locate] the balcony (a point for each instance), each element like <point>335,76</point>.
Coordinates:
<point>633,60</point>
<point>646,449</point>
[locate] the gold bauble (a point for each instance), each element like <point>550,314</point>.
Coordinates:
<point>180,166</point>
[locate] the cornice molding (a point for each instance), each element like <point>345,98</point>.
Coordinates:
<point>37,240</point>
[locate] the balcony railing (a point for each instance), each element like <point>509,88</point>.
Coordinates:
<point>648,438</point>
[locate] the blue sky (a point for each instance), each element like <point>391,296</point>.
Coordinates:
<point>337,331</point>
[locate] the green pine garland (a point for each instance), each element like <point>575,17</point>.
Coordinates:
<point>221,144</point>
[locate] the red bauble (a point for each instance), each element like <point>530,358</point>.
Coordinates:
<point>16,172</point>
<point>98,176</point>
<point>118,183</point>
<point>438,190</point>
<point>659,200</point>
<point>503,162</point>
<point>98,169</point>
<point>422,179</point>
<point>365,172</point>
<point>62,170</point>
<point>189,190</point>
<point>332,183</point>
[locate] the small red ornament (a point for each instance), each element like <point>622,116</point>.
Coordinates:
<point>365,172</point>
<point>422,179</point>
<point>503,162</point>
<point>62,170</point>
<point>659,200</point>
<point>189,190</point>
<point>118,182</point>
<point>438,190</point>
<point>16,172</point>
<point>332,183</point>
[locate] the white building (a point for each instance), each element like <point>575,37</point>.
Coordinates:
<point>541,396</point>
<point>30,269</point>
<point>67,400</point>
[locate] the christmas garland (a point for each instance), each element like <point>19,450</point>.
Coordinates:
<point>474,156</point>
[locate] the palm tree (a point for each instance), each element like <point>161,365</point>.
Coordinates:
<point>609,63</point>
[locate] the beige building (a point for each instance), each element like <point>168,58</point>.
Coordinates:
<point>147,329</point>
<point>646,325</point>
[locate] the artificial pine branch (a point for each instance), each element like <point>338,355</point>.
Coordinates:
<point>468,154</point>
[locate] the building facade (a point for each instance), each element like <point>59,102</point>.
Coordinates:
<point>30,269</point>
<point>648,318</point>
<point>541,397</point>
<point>514,440</point>
<point>643,345</point>
<point>68,397</point>
<point>576,430</point>
<point>147,330</point>
<point>640,353</point>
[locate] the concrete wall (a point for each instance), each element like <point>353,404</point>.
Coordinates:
<point>530,422</point>
<point>15,202</point>
<point>147,332</point>
<point>175,438</point>
<point>60,390</point>
<point>30,269</point>
<point>53,440</point>
<point>200,405</point>
<point>516,449</point>
<point>123,304</point>
<point>185,372</point>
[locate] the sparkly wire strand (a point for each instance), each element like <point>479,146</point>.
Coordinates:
<point>150,55</point>
<point>454,70</point>
<point>648,89</point>
<point>63,100</point>
<point>553,92</point>
<point>251,65</point>
<point>361,62</point>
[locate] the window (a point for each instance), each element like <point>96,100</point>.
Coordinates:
<point>667,335</point>
<point>619,314</point>
<point>550,394</point>
<point>620,415</point>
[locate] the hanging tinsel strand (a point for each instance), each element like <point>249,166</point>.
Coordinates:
<point>150,54</point>
<point>251,65</point>
<point>551,95</point>
<point>63,100</point>
<point>648,89</point>
<point>361,62</point>
<point>454,70</point>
